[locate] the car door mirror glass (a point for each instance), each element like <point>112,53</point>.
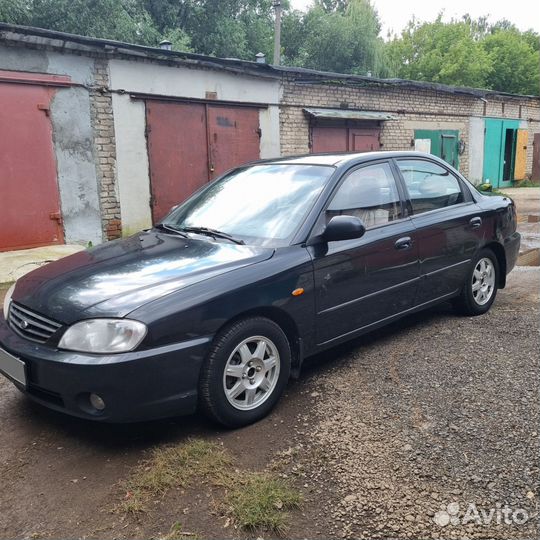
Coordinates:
<point>343,228</point>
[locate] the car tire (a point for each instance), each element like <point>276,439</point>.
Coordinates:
<point>245,372</point>
<point>481,285</point>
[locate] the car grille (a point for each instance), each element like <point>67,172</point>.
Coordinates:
<point>31,325</point>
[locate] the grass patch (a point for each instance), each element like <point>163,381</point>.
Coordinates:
<point>176,533</point>
<point>527,183</point>
<point>261,501</point>
<point>252,500</point>
<point>174,466</point>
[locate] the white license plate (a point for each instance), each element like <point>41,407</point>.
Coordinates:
<point>12,367</point>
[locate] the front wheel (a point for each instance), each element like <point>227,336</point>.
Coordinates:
<point>245,372</point>
<point>481,285</point>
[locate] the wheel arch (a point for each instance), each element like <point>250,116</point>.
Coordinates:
<point>285,322</point>
<point>499,252</point>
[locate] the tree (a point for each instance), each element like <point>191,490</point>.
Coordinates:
<point>229,28</point>
<point>343,41</point>
<point>467,52</point>
<point>514,63</point>
<point>123,20</point>
<point>439,52</point>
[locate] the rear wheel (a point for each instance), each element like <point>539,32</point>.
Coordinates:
<point>245,372</point>
<point>481,285</point>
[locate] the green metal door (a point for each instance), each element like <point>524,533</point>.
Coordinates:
<point>444,143</point>
<point>449,148</point>
<point>499,151</point>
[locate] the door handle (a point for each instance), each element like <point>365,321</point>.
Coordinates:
<point>403,243</point>
<point>475,222</point>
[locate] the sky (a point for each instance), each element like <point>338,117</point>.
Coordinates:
<point>394,14</point>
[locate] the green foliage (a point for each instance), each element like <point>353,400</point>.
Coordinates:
<point>339,38</point>
<point>467,53</point>
<point>124,20</point>
<point>440,52</point>
<point>228,28</point>
<point>514,62</point>
<point>332,35</point>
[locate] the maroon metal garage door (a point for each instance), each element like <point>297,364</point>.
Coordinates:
<point>29,198</point>
<point>192,143</point>
<point>344,139</point>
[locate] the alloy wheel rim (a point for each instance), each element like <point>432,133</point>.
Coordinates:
<point>483,281</point>
<point>251,373</point>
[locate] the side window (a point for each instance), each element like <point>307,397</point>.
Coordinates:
<point>430,186</point>
<point>369,193</point>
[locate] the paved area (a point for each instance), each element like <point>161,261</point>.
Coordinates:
<point>380,435</point>
<point>528,207</point>
<point>14,264</point>
<point>527,199</point>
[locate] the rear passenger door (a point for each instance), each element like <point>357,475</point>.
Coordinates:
<point>362,281</point>
<point>448,224</point>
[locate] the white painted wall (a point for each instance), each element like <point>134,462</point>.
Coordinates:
<point>132,163</point>
<point>130,121</point>
<point>476,150</point>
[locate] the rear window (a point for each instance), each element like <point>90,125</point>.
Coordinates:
<point>430,186</point>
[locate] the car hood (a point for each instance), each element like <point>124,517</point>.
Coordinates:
<point>115,278</point>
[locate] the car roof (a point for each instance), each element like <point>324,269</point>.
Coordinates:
<point>337,159</point>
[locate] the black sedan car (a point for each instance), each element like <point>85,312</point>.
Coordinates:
<point>218,305</point>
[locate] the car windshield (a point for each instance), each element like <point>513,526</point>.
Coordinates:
<point>262,204</point>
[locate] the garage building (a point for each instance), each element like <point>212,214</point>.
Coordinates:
<point>99,139</point>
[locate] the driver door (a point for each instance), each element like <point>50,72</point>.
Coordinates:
<point>363,281</point>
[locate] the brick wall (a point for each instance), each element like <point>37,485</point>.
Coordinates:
<point>412,109</point>
<point>105,151</point>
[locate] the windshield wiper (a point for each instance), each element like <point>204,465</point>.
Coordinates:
<point>170,228</point>
<point>213,232</point>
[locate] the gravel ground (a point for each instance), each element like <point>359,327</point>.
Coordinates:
<point>381,435</point>
<point>434,411</point>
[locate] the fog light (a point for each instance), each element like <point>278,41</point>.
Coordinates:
<point>97,402</point>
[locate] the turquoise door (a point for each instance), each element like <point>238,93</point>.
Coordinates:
<point>444,143</point>
<point>499,151</point>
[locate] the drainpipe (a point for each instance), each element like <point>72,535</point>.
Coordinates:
<point>485,104</point>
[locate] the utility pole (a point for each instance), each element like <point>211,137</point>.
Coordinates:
<point>277,33</point>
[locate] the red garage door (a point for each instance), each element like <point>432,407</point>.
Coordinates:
<point>344,139</point>
<point>192,143</point>
<point>29,199</point>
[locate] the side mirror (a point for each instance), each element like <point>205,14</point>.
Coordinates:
<point>343,228</point>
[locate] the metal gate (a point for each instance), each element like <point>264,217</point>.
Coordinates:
<point>29,198</point>
<point>190,144</point>
<point>500,151</point>
<point>440,142</point>
<point>344,139</point>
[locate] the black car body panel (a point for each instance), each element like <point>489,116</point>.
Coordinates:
<point>186,289</point>
<point>115,278</point>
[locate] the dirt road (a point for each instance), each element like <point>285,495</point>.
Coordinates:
<point>380,436</point>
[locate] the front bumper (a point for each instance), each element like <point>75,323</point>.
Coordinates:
<point>135,386</point>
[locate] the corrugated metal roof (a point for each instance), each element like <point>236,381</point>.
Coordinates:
<point>348,114</point>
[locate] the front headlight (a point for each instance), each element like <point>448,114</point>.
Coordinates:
<point>103,336</point>
<point>7,300</point>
